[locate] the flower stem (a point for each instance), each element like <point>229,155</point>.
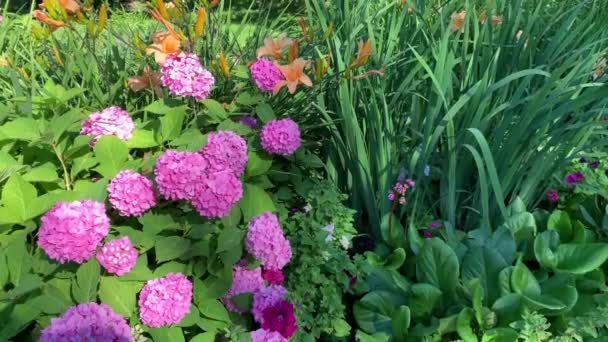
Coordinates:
<point>66,175</point>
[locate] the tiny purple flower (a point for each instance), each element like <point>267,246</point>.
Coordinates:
<point>552,195</point>
<point>435,225</point>
<point>330,230</point>
<point>391,196</point>
<point>249,121</point>
<point>427,234</point>
<point>410,183</point>
<point>399,188</point>
<point>594,164</point>
<point>573,178</point>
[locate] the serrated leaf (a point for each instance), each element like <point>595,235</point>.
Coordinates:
<point>142,138</point>
<point>17,197</point>
<point>173,334</point>
<point>112,153</point>
<point>215,111</point>
<point>212,308</point>
<point>84,286</point>
<point>170,247</point>
<point>119,295</point>
<point>42,173</point>
<point>265,112</point>
<point>20,129</point>
<point>255,201</point>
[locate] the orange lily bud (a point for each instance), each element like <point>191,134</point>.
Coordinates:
<point>294,51</point>
<point>224,65</point>
<point>57,56</point>
<point>302,24</point>
<point>103,18</point>
<point>365,51</point>
<point>162,9</point>
<point>199,27</point>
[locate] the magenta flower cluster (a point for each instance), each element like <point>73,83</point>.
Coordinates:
<point>165,301</point>
<point>400,189</point>
<point>266,297</point>
<point>118,256</point>
<point>183,75</point>
<point>131,194</point>
<point>281,137</point>
<point>178,173</point>
<point>552,195</point>
<point>273,277</point>
<point>574,178</point>
<point>217,194</point>
<point>266,74</point>
<point>280,317</point>
<point>244,280</point>
<point>72,231</point>
<point>266,242</point>
<point>225,150</point>
<point>87,322</point>
<point>110,121</point>
<point>262,335</point>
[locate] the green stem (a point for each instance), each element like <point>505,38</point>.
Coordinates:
<point>66,175</point>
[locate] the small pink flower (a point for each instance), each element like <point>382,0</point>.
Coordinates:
<point>280,318</point>
<point>118,256</point>
<point>262,335</point>
<point>225,150</point>
<point>216,194</point>
<point>131,194</point>
<point>435,225</point>
<point>273,277</point>
<point>552,195</point>
<point>391,196</point>
<point>183,75</point>
<point>574,178</point>
<point>110,121</point>
<point>281,137</point>
<point>165,301</point>
<point>427,234</point>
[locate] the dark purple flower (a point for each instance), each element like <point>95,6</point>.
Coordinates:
<point>594,164</point>
<point>435,225</point>
<point>280,318</point>
<point>249,121</point>
<point>573,178</point>
<point>427,234</point>
<point>273,277</point>
<point>552,195</point>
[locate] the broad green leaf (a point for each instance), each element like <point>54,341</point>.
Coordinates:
<point>119,295</point>
<point>395,259</point>
<point>61,123</point>
<point>215,111</point>
<point>247,99</point>
<point>229,239</point>
<point>581,258</point>
<point>485,264</point>
<point>522,226</point>
<point>437,264</point>
<point>42,173</point>
<point>538,302</point>
<point>171,124</point>
<point>170,247</point>
<point>19,260</point>
<point>193,139</point>
<point>463,325</point>
<point>84,286</point>
<point>155,223</point>
<point>378,337</point>
<point>255,201</point>
<point>204,337</point>
<point>544,246</point>
<point>169,267</point>
<point>166,334</point>
<point>401,323</point>
<point>244,301</point>
<point>212,308</point>
<point>27,284</point>
<point>500,335</point>
<point>265,112</point>
<point>82,163</point>
<point>212,287</point>
<point>210,325</point>
<point>112,153</point>
<point>140,272</point>
<point>97,191</point>
<point>257,164</point>
<point>523,281</point>
<point>52,301</point>
<point>18,319</point>
<point>191,318</point>
<point>20,129</point>
<point>236,127</point>
<point>422,299</point>
<point>142,138</point>
<point>560,222</point>
<point>561,287</point>
<point>508,308</point>
<point>17,197</point>
<point>374,312</point>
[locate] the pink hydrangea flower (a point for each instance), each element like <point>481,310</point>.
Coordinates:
<point>179,173</point>
<point>225,150</point>
<point>165,301</point>
<point>131,194</point>
<point>72,231</point>
<point>110,121</point>
<point>266,75</point>
<point>280,318</point>
<point>281,137</point>
<point>552,195</point>
<point>184,76</point>
<point>118,256</point>
<point>262,335</point>
<point>216,194</point>
<point>266,297</point>
<point>243,281</point>
<point>266,242</point>
<point>87,322</point>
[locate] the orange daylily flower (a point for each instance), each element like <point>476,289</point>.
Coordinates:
<point>458,21</point>
<point>294,74</point>
<point>274,47</point>
<point>165,43</point>
<point>365,51</point>
<point>496,20</point>
<point>70,6</point>
<point>214,3</point>
<point>148,80</point>
<point>43,18</point>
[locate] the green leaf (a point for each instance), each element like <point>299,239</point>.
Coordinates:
<point>508,308</point>
<point>437,264</point>
<point>169,267</point>
<point>422,299</point>
<point>236,127</point>
<point>484,263</point>
<point>83,163</point>
<point>265,112</point>
<point>155,223</point>
<point>374,312</point>
<point>522,226</point>
<point>142,138</point>
<point>463,325</point>
<point>523,281</point>
<point>204,337</point>
<point>544,246</point>
<point>560,222</point>
<point>257,164</point>
<point>119,295</point>
<point>17,197</point>
<point>247,99</point>
<point>363,337</point>
<point>244,301</point>
<point>401,323</point>
<point>396,259</point>
<point>170,247</point>
<point>212,308</point>
<point>140,272</point>
<point>27,284</point>
<point>215,111</point>
<point>18,319</point>
<point>193,139</point>
<point>52,301</point>
<point>43,173</point>
<point>112,153</point>
<point>84,287</point>
<point>255,201</point>
<point>171,124</point>
<point>212,287</point>
<point>20,129</point>
<point>191,318</point>
<point>229,239</point>
<point>500,335</point>
<point>172,334</point>
<point>19,260</point>
<point>581,258</point>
